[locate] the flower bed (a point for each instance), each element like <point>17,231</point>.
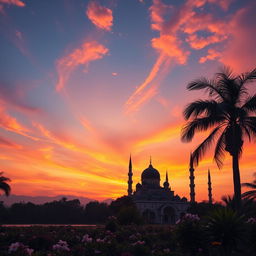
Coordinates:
<point>190,236</point>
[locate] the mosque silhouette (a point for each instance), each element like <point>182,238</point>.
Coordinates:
<point>158,204</point>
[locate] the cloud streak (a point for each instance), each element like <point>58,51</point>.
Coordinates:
<point>88,52</point>
<point>174,24</point>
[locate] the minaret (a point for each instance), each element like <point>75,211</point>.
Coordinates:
<point>166,183</point>
<point>209,187</point>
<point>130,178</point>
<point>192,179</point>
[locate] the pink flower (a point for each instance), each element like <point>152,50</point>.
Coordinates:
<point>14,247</point>
<point>61,246</point>
<point>29,251</point>
<point>86,239</point>
<point>138,243</point>
<point>251,221</point>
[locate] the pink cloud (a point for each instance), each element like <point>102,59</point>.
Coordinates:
<point>212,55</point>
<point>171,46</point>
<point>88,52</point>
<point>10,123</point>
<point>10,2</point>
<point>239,52</point>
<point>7,143</point>
<point>100,16</point>
<point>146,90</point>
<point>176,25</point>
<point>13,2</point>
<point>157,11</point>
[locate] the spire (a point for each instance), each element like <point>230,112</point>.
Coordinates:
<point>209,187</point>
<point>192,179</point>
<point>129,190</point>
<point>150,161</point>
<point>166,183</point>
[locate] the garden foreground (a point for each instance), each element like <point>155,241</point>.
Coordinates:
<point>224,233</point>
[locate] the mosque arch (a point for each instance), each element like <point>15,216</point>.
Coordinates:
<point>149,216</point>
<point>169,215</point>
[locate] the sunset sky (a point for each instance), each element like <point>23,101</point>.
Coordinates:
<point>85,83</point>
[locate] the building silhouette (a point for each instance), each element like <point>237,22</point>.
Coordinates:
<point>156,203</point>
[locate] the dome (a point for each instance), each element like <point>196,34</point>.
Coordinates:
<point>150,173</point>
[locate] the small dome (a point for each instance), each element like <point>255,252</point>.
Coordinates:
<point>150,173</point>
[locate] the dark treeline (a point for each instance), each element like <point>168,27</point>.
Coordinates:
<point>68,212</point>
<point>56,212</point>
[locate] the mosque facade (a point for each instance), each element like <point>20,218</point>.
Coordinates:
<point>157,204</point>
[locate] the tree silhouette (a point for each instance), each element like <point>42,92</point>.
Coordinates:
<point>229,113</point>
<point>251,194</point>
<point>4,186</point>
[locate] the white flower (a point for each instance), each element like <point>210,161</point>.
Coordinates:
<point>14,247</point>
<point>251,221</point>
<point>86,239</point>
<point>98,240</point>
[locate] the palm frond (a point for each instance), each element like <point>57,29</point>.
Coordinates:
<point>250,104</point>
<point>246,131</point>
<point>208,85</point>
<point>249,185</point>
<point>249,194</point>
<point>247,77</point>
<point>5,188</point>
<point>219,152</point>
<point>227,84</point>
<point>198,107</point>
<point>198,124</point>
<point>201,149</point>
<point>250,123</point>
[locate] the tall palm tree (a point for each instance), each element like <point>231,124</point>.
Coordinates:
<point>4,186</point>
<point>229,113</point>
<point>251,194</point>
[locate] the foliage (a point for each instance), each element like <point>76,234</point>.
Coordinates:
<point>251,194</point>
<point>53,213</point>
<point>203,209</point>
<point>226,229</point>
<point>229,113</point>
<point>248,206</point>
<point>223,232</point>
<point>4,186</point>
<point>190,234</point>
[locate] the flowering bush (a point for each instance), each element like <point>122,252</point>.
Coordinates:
<point>189,217</point>
<point>20,248</point>
<point>251,221</point>
<point>189,236</point>
<point>61,246</point>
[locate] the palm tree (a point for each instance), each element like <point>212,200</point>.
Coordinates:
<point>229,113</point>
<point>251,194</point>
<point>4,186</point>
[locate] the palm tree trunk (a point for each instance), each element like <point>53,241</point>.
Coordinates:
<point>236,180</point>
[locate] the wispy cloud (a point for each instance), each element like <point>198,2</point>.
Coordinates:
<point>7,143</point>
<point>100,16</point>
<point>88,52</point>
<point>10,123</point>
<point>175,24</point>
<point>147,89</point>
<point>10,2</point>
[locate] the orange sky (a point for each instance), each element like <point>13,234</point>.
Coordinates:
<point>84,89</point>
